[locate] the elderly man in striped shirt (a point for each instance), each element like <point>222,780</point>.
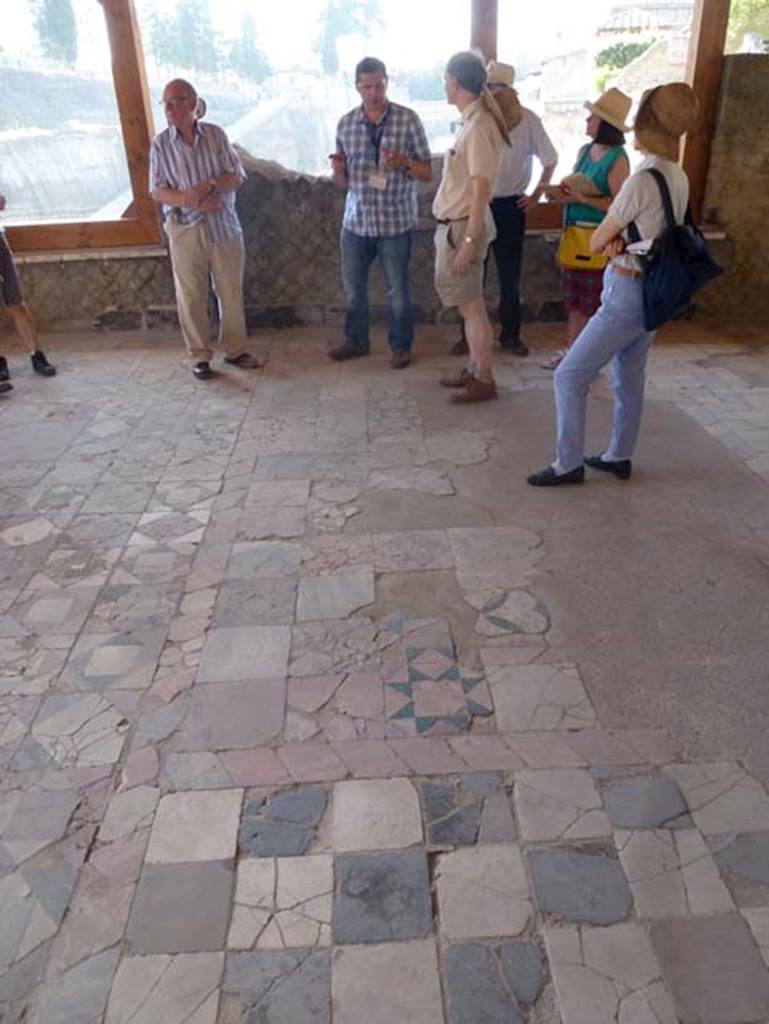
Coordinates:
<point>194,173</point>
<point>381,153</point>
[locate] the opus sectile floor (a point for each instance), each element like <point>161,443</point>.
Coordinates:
<point>288,735</point>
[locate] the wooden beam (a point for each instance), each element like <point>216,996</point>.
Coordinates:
<point>96,234</point>
<point>483,27</point>
<point>703,73</point>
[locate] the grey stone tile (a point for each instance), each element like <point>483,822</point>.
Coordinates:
<point>582,884</point>
<point>713,969</point>
<point>397,981</point>
<point>284,825</point>
<point>381,897</point>
<point>491,984</point>
<point>181,908</point>
<point>743,861</point>
<point>267,559</point>
<point>182,989</point>
<point>335,596</point>
<point>278,988</point>
<point>645,803</point>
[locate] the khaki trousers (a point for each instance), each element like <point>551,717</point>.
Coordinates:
<point>193,257</point>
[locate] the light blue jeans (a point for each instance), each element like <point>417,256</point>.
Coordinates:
<point>614,333</point>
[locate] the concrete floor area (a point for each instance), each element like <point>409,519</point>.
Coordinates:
<point>313,712</point>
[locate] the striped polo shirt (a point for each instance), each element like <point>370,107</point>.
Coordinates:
<point>392,210</point>
<point>175,164</point>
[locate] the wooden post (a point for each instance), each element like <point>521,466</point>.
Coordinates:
<point>703,73</point>
<point>483,30</point>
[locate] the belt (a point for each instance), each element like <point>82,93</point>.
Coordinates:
<point>625,271</point>
<point>455,220</point>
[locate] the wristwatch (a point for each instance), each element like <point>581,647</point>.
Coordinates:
<point>469,238</point>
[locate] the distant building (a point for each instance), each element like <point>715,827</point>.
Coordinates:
<point>648,17</point>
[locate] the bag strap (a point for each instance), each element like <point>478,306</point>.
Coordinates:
<point>667,203</point>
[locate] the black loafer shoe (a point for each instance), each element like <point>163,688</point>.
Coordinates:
<point>518,348</point>
<point>41,365</point>
<point>5,385</point>
<point>346,351</point>
<point>5,373</point>
<point>549,478</point>
<point>621,468</point>
<point>400,360</point>
<point>202,371</point>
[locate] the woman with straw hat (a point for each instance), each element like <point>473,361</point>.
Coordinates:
<point>616,333</point>
<point>604,162</point>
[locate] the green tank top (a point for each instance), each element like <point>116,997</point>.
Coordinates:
<point>598,172</point>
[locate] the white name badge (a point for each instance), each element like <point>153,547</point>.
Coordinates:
<point>378,180</point>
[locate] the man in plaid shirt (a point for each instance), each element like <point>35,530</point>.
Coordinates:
<point>381,153</point>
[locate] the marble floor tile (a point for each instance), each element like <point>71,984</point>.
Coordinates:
<point>503,980</point>
<point>79,993</point>
<point>283,903</point>
<point>128,812</point>
<point>263,559</point>
<point>263,602</point>
<point>494,555</point>
<point>233,716</point>
<point>538,696</point>
<point>275,986</point>
<point>336,596</point>
<point>645,802</point>
<point>559,803</point>
<point>381,984</point>
<point>121,661</point>
<point>195,826</point>
<point>375,814</point>
<point>279,493</point>
<point>758,922</point>
<point>743,861</point>
<point>722,797</point>
<point>412,551</point>
<point>264,522</point>
<point>127,607</point>
<point>82,730</point>
<point>181,908</point>
<point>671,873</point>
<point>284,824</point>
<point>713,969</point>
<point>181,989</point>
<point>603,975</point>
<point>579,883</point>
<point>381,897</point>
<point>482,892</point>
<point>244,652</point>
<point>32,820</point>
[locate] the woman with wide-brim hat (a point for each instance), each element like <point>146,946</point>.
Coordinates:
<point>616,332</point>
<point>605,162</point>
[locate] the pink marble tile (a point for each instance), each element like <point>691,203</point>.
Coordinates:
<point>254,767</point>
<point>486,753</point>
<point>312,762</point>
<point>370,758</point>
<point>428,756</point>
<point>141,766</point>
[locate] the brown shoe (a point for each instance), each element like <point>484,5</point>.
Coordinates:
<point>457,380</point>
<point>400,360</point>
<point>346,351</point>
<point>459,348</point>
<point>475,391</point>
<point>245,361</point>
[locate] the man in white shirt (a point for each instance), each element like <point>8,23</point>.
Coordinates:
<point>510,203</point>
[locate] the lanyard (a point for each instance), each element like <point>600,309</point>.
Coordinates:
<point>375,133</point>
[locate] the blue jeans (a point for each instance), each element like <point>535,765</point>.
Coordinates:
<point>614,333</point>
<point>358,253</point>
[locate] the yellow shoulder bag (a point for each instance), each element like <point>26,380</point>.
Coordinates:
<point>574,249</point>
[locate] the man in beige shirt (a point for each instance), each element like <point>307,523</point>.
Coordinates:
<point>465,228</point>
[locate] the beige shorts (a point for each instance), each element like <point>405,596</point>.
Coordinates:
<point>458,289</point>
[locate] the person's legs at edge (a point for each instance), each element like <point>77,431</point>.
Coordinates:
<point>510,222</point>
<point>395,257</point>
<point>12,300</point>
<point>617,325</point>
<point>227,261</point>
<point>189,260</point>
<point>358,253</point>
<point>480,339</point>
<point>628,385</point>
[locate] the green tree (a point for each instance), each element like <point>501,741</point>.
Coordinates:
<point>620,54</point>
<point>56,29</point>
<point>747,16</point>
<point>195,40</point>
<point>245,57</point>
<point>344,18</point>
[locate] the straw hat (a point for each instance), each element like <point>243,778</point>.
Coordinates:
<point>664,115</point>
<point>498,73</point>
<point>613,107</point>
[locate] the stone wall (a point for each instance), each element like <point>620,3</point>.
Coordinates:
<point>738,191</point>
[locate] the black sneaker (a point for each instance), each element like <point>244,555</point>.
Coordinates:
<point>202,371</point>
<point>621,468</point>
<point>5,373</point>
<point>41,365</point>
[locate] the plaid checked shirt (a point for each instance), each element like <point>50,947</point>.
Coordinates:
<point>174,164</point>
<point>393,210</point>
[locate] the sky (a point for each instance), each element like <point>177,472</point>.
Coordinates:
<point>417,33</point>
